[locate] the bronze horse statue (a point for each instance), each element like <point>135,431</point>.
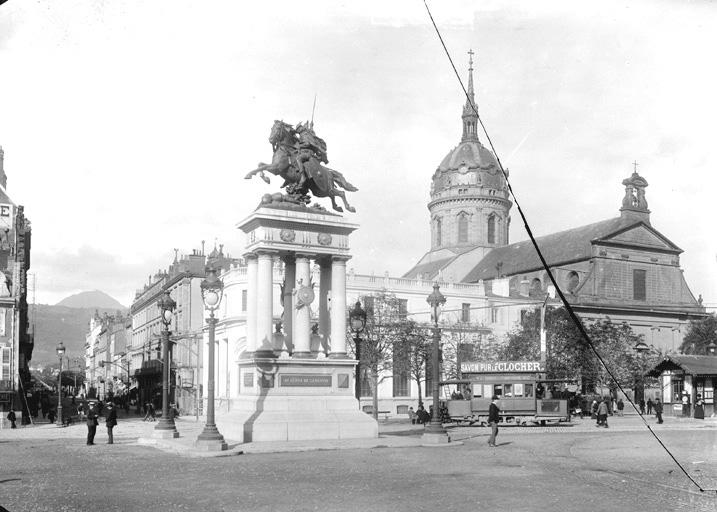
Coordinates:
<point>318,179</point>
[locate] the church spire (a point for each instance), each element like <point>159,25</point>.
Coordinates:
<point>470,116</point>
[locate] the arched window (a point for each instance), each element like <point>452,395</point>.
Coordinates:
<point>462,228</point>
<point>491,228</point>
<point>439,234</point>
<point>573,281</point>
<point>536,288</point>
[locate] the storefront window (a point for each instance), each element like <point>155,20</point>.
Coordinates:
<point>677,387</point>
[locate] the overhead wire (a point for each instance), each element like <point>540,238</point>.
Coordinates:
<point>576,320</point>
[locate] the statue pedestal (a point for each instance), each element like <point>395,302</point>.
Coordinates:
<point>295,400</point>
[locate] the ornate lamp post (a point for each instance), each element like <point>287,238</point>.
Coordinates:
<point>357,319</point>
<point>435,433</point>
<point>165,427</point>
<point>60,353</point>
<point>641,348</point>
<point>212,291</point>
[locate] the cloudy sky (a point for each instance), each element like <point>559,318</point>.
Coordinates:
<point>128,126</point>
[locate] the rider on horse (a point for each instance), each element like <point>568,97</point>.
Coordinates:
<point>308,146</point>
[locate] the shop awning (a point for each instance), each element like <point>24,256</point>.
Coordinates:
<point>691,365</point>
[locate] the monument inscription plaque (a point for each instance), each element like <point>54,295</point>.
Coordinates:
<point>303,380</point>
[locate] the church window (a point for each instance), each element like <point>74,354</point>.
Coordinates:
<point>491,229</point>
<point>462,228</point>
<point>536,288</point>
<point>439,234</point>
<point>638,284</point>
<point>573,281</point>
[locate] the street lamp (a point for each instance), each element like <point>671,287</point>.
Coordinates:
<point>435,433</point>
<point>60,353</point>
<point>212,291</point>
<point>357,319</point>
<point>711,346</point>
<point>165,427</point>
<point>641,348</point>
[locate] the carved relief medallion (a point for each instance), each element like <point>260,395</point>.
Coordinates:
<point>287,235</point>
<point>324,239</point>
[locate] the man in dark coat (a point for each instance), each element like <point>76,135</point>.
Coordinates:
<point>111,420</point>
<point>12,418</point>
<point>658,410</point>
<point>91,422</point>
<point>493,419</point>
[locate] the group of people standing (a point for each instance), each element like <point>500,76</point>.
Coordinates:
<point>93,411</point>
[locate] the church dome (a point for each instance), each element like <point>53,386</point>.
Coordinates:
<point>469,163</point>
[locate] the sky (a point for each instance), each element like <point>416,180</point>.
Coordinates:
<point>128,127</point>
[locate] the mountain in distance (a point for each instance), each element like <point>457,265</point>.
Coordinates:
<point>68,322</point>
<point>91,300</point>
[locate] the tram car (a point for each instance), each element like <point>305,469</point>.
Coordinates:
<point>524,398</point>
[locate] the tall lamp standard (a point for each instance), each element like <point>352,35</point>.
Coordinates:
<point>165,427</point>
<point>357,319</point>
<point>435,433</point>
<point>60,353</point>
<point>641,348</point>
<point>212,292</point>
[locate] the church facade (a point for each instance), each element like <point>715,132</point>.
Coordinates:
<point>621,268</point>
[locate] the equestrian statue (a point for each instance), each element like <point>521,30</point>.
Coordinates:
<point>298,157</point>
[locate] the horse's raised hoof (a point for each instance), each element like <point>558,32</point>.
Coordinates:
<point>351,209</point>
<point>338,209</point>
<point>248,176</point>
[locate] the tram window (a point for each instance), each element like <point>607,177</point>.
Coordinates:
<point>518,390</point>
<point>508,390</point>
<point>498,390</point>
<point>528,391</point>
<point>477,390</point>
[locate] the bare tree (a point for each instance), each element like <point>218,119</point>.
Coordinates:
<point>378,339</point>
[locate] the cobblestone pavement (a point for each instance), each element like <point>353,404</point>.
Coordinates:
<point>567,468</point>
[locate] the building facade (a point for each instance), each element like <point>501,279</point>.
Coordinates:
<point>16,337</point>
<point>621,268</point>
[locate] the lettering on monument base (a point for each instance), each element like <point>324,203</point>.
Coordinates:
<point>304,380</point>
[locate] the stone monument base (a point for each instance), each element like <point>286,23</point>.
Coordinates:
<point>296,400</point>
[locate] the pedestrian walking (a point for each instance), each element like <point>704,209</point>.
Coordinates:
<point>12,418</point>
<point>658,410</point>
<point>593,410</point>
<point>620,407</point>
<point>51,415</point>
<point>602,414</point>
<point>642,406</point>
<point>493,419</point>
<point>650,405</point>
<point>149,416</point>
<point>110,421</point>
<point>412,415</point>
<point>91,423</point>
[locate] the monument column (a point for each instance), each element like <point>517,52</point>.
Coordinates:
<point>324,293</point>
<point>302,318</point>
<point>288,300</point>
<point>264,302</point>
<point>338,307</point>
<point>251,280</point>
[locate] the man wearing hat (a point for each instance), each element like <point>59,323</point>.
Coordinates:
<point>493,419</point>
<point>111,420</point>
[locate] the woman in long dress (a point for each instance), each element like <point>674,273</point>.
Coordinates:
<point>699,408</point>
